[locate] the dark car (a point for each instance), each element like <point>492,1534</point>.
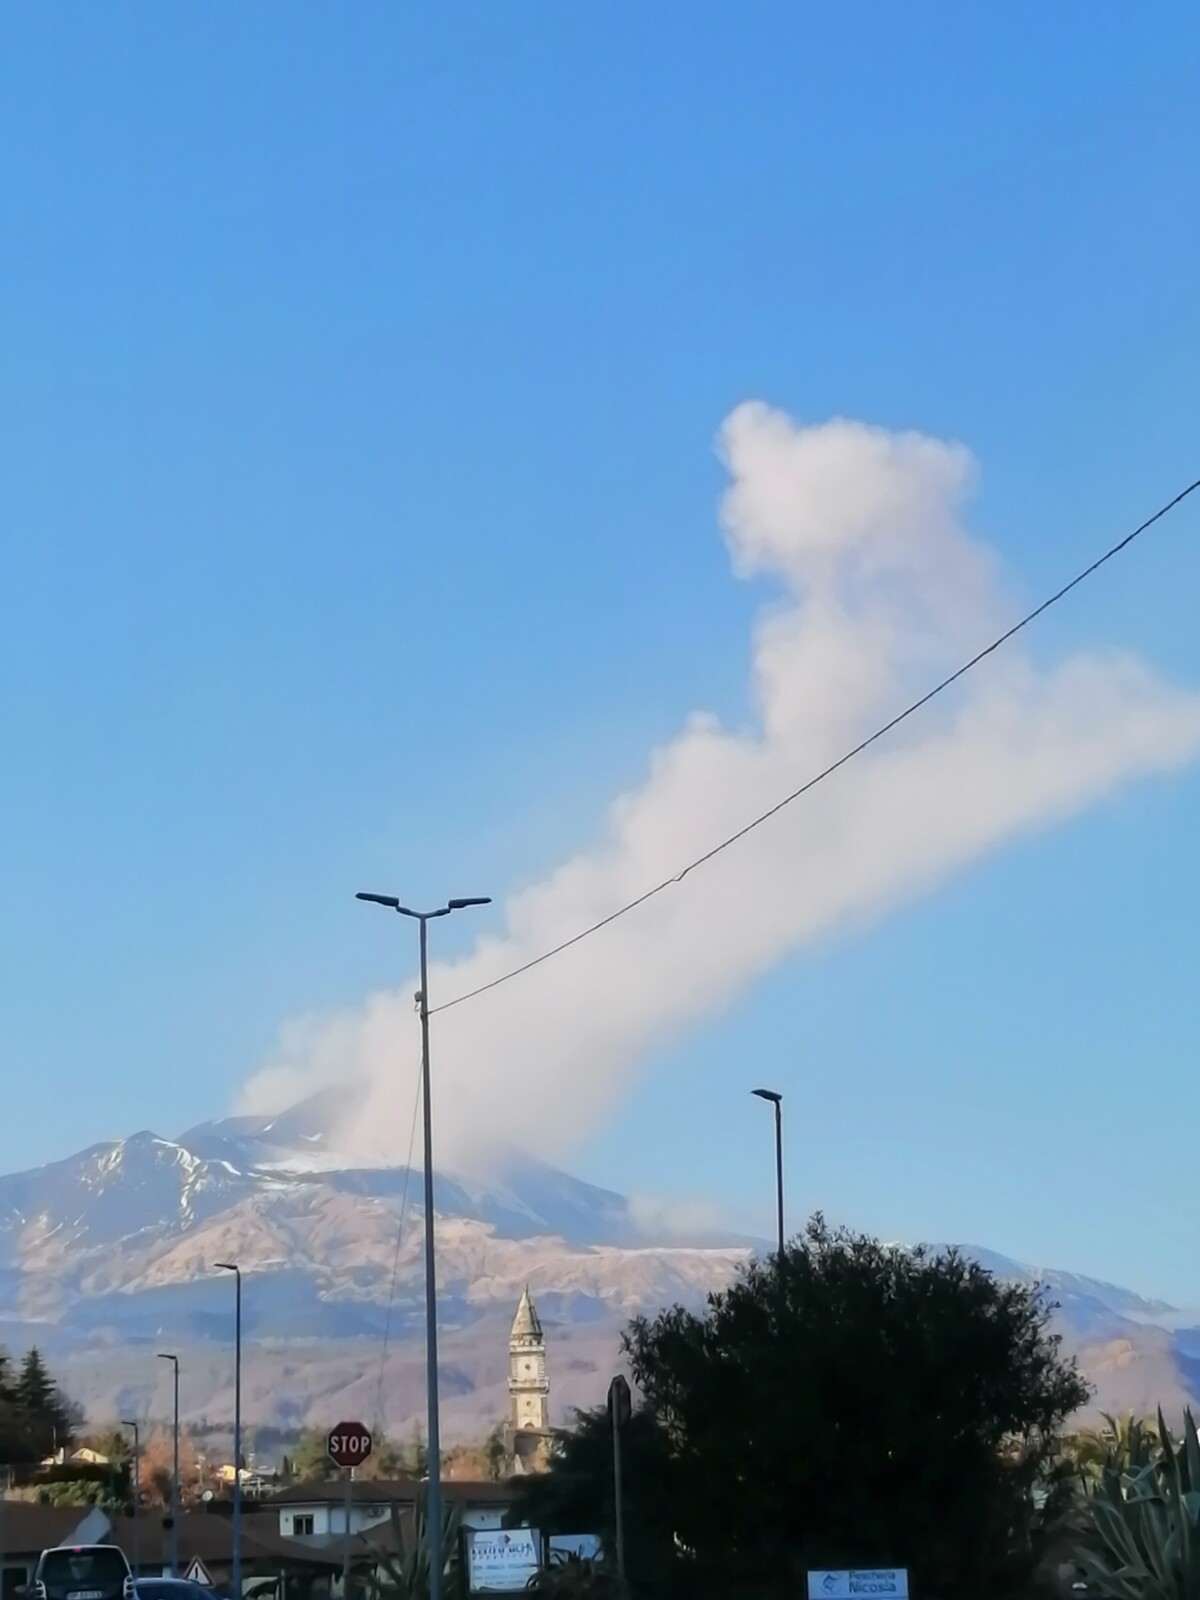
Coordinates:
<point>166,1589</point>
<point>80,1572</point>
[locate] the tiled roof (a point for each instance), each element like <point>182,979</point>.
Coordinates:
<point>382,1491</point>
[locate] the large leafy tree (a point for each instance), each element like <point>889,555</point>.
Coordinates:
<point>852,1403</point>
<point>576,1495</point>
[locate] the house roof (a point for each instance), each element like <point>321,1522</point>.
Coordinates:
<point>383,1491</point>
<point>29,1529</point>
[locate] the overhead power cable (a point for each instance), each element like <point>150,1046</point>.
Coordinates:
<point>811,783</point>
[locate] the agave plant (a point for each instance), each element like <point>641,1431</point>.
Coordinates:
<point>1145,1522</point>
<point>403,1574</point>
<point>575,1577</point>
<point>1126,1443</point>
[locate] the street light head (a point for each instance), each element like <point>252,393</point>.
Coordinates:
<point>388,900</point>
<point>226,1266</point>
<point>163,1356</point>
<point>768,1094</point>
<point>472,900</point>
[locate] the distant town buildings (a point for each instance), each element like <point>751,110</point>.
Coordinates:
<point>527,1437</point>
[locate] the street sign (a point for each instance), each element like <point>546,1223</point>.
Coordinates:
<point>199,1573</point>
<point>349,1444</point>
<point>865,1583</point>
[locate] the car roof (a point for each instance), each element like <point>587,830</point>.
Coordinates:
<point>79,1549</point>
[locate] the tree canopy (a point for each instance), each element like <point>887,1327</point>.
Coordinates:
<point>848,1404</point>
<point>35,1417</point>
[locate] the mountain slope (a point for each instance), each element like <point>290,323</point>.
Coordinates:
<point>105,1254</point>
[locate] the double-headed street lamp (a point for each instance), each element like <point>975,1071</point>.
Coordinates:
<point>174,1360</point>
<point>236,1576</point>
<point>434,1502</point>
<point>776,1099</point>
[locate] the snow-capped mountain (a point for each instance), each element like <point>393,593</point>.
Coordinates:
<point>108,1253</point>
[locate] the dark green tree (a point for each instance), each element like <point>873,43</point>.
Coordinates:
<point>576,1496</point>
<point>851,1404</point>
<point>51,1417</point>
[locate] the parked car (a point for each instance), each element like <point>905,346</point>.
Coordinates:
<point>166,1589</point>
<point>80,1572</point>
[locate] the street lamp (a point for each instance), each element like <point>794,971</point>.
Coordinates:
<point>776,1100</point>
<point>236,1582</point>
<point>174,1360</point>
<point>137,1486</point>
<point>433,1529</point>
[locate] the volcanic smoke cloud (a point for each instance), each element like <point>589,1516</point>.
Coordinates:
<point>882,591</point>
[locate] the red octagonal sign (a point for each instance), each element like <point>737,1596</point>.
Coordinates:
<point>349,1444</point>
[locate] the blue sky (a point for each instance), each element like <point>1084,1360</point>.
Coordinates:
<point>361,378</point>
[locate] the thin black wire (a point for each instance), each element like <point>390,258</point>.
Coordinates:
<point>820,777</point>
<point>387,1326</point>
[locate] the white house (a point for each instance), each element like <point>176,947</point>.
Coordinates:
<point>317,1511</point>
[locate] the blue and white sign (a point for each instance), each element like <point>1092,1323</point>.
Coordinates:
<point>861,1583</point>
<point>502,1559</point>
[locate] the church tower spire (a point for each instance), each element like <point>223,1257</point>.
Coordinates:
<point>528,1385</point>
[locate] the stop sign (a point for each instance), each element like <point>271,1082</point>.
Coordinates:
<point>349,1444</point>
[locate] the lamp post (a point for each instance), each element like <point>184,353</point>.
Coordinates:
<point>236,1576</point>
<point>776,1100</point>
<point>433,1529</point>
<point>174,1360</point>
<point>137,1486</point>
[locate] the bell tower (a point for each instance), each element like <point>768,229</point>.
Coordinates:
<point>528,1388</point>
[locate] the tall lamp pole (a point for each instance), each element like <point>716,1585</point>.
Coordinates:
<point>776,1100</point>
<point>174,1360</point>
<point>137,1486</point>
<point>434,1501</point>
<point>236,1577</point>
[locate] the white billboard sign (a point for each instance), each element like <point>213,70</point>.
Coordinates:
<point>502,1559</point>
<point>864,1583</point>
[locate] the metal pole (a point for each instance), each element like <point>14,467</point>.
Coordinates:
<point>779,1172</point>
<point>346,1555</point>
<point>619,1495</point>
<point>174,1360</point>
<point>137,1488</point>
<point>237,1441</point>
<point>434,1502</point>
<point>175,1481</point>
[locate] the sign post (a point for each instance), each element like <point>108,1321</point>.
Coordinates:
<point>619,1406</point>
<point>348,1446</point>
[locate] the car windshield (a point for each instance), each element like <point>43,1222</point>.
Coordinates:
<point>70,1570</point>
